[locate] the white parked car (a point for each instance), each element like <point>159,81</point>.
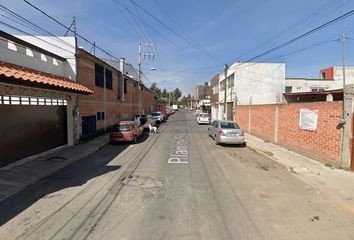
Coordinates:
<point>203,118</point>
<point>158,116</point>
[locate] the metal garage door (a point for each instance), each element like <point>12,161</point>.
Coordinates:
<point>30,128</point>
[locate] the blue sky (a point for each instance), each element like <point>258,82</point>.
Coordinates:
<point>215,32</point>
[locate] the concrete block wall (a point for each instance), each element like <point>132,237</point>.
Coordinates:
<point>280,124</point>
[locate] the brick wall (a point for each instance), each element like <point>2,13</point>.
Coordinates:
<point>116,110</point>
<point>242,117</point>
<point>262,119</point>
<point>323,144</point>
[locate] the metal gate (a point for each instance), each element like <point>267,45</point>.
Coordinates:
<point>29,130</point>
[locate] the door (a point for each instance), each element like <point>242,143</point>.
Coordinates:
<point>230,109</point>
<point>29,130</point>
<point>88,126</point>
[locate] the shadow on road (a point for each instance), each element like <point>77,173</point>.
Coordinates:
<point>75,174</point>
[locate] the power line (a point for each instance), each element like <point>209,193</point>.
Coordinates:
<point>17,29</point>
<point>129,22</point>
<point>173,31</point>
<point>337,19</point>
<point>34,27</point>
<point>301,22</point>
<point>67,28</point>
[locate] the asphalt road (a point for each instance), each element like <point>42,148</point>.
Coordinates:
<point>176,184</point>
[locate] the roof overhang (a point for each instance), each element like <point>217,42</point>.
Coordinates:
<point>18,75</point>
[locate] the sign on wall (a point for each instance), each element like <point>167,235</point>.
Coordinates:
<point>308,119</point>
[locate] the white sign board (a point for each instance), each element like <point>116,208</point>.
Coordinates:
<point>308,119</point>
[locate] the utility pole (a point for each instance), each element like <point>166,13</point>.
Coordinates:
<point>151,57</point>
<point>343,59</point>
<point>226,67</point>
<point>76,113</point>
<point>169,99</point>
<point>343,156</point>
<point>139,75</point>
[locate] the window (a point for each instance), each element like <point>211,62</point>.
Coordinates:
<point>125,85</point>
<point>43,57</point>
<point>317,89</point>
<point>100,116</point>
<point>288,89</point>
<point>109,79</point>
<point>229,125</point>
<point>99,77</point>
<point>29,52</point>
<point>222,85</point>
<point>323,75</point>
<point>216,89</point>
<point>230,80</point>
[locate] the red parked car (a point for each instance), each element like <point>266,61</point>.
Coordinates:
<point>126,131</point>
<point>168,112</point>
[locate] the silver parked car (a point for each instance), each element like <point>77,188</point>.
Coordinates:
<point>226,132</point>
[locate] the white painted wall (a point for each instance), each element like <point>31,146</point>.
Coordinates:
<point>306,85</point>
<point>214,113</point>
<point>349,75</point>
<point>263,82</point>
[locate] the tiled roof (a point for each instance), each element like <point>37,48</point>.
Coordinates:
<point>29,76</point>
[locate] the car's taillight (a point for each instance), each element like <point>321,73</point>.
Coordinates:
<point>221,133</point>
<point>242,133</point>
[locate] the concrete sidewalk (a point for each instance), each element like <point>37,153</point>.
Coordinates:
<point>337,182</point>
<point>17,176</point>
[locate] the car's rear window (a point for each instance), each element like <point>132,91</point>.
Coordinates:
<point>122,128</point>
<point>229,125</point>
<point>155,114</point>
<point>203,115</point>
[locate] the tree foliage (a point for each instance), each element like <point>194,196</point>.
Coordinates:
<point>164,96</point>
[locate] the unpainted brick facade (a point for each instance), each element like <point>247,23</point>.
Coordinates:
<point>108,100</point>
<point>323,144</point>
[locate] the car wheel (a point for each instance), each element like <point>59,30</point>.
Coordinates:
<point>216,140</point>
<point>244,144</point>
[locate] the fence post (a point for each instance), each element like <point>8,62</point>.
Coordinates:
<point>276,123</point>
<point>345,157</point>
<point>249,115</point>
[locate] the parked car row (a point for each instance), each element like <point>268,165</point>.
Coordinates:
<point>130,131</point>
<point>222,131</point>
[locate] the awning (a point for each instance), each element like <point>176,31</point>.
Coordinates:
<point>18,75</point>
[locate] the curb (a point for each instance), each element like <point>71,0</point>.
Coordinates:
<point>263,154</point>
<point>61,166</point>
